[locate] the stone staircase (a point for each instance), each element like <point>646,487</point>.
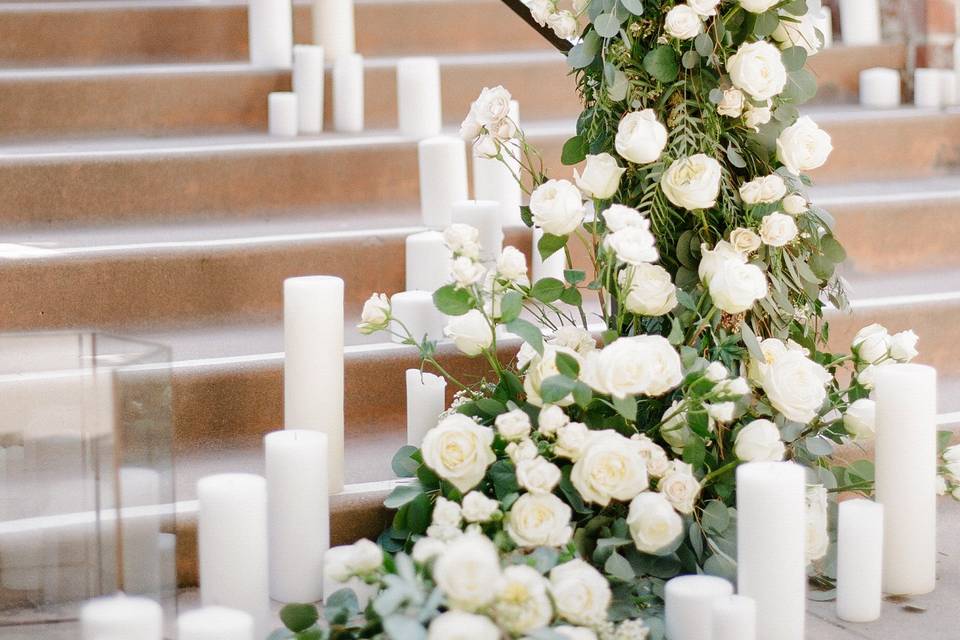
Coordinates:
<point>141,195</point>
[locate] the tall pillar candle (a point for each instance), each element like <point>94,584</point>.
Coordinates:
<point>215,623</point>
<point>308,87</point>
<point>282,114</point>
<point>443,178</point>
<point>552,267</point>
<point>880,88</point>
<point>484,215</point>
<point>313,363</point>
<point>428,261</point>
<point>734,618</point>
<point>688,602</point>
<point>348,93</point>
<point>121,618</point>
<point>232,544</point>
<point>333,27</point>
<point>419,111</point>
<point>906,475</point>
<point>771,531</point>
<point>270,27</point>
<point>859,560</point>
<point>927,87</point>
<point>860,22</point>
<point>298,512</point>
<point>416,311</point>
<point>426,400</point>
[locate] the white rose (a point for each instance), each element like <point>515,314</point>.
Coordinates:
<point>523,450</point>
<point>572,440</point>
<point>712,260</point>
<point>466,272</point>
<point>601,176</point>
<point>574,338</point>
<point>731,105</point>
<point>471,332</point>
<point>575,633</point>
<point>539,520</point>
<point>763,189</point>
<point>653,455</point>
<point>550,420</point>
<point>758,6</point>
<point>799,34</point>
<point>446,513</point>
<point>692,183</point>
<point>757,69</point>
<point>460,625</point>
<point>675,430</point>
<point>612,468</point>
<point>795,204</point>
<point>426,549</point>
<point>375,315</point>
<point>458,450</point>
<point>580,593</point>
<point>736,286</point>
<point>744,240</point>
<point>633,245</point>
<point>872,343</point>
<point>543,367</point>
<point>778,229</point>
<point>704,7</point>
<point>794,385</point>
<point>759,441</point>
<point>903,346</point>
<point>564,24</point>
<point>618,216</point>
<point>557,207</point>
<point>654,524</point>
<point>817,537</point>
<point>522,604</point>
<point>866,376</point>
<point>650,292</point>
<point>541,10</point>
<point>492,106</point>
<point>803,146</point>
<point>462,240</point>
<point>336,563</point>
<point>861,418</point>
<point>756,116</point>
<point>640,137</point>
<point>365,557</point>
<point>486,146</point>
<point>721,411</point>
<point>478,507</point>
<point>470,129</point>
<point>680,488</point>
<point>513,425</point>
<point>646,365</point>
<point>683,22</point>
<point>512,265</point>
<point>538,475</point>
<point>468,572</point>
<point>733,388</point>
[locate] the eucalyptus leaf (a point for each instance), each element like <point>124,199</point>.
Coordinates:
<point>402,494</point>
<point>633,6</point>
<point>510,306</point>
<point>703,43</point>
<point>766,23</point>
<point>556,388</point>
<point>794,58</point>
<point>402,464</point>
<point>690,59</point>
<point>585,52</point>
<point>715,518</point>
<point>618,567</point>
<point>607,25</point>
<point>661,63</point>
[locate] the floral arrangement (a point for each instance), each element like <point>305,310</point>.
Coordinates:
<point>687,336</point>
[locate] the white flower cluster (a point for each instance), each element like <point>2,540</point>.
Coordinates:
<point>734,284</point>
<point>794,384</point>
<point>873,346</point>
<point>950,470</point>
<point>562,22</point>
<point>488,123</point>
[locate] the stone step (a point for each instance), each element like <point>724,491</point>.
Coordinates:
<point>172,179</point>
<point>229,97</point>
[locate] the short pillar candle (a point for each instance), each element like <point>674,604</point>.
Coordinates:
<point>426,400</point>
<point>688,605</point>
<point>419,110</point>
<point>282,114</point>
<point>121,618</point>
<point>859,560</point>
<point>483,215</point>
<point>927,88</point>
<point>215,623</point>
<point>734,618</point>
<point>348,93</point>
<point>443,178</point>
<point>333,27</point>
<point>860,22</point>
<point>880,88</point>
<point>308,87</point>
<point>427,261</point>
<point>416,311</point>
<point>270,29</point>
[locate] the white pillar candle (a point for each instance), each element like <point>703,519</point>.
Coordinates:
<point>121,618</point>
<point>926,88</point>
<point>860,22</point>
<point>348,93</point>
<point>443,178</point>
<point>825,25</point>
<point>956,67</point>
<point>906,475</point>
<point>859,560</point>
<point>771,531</point>
<point>232,545</point>
<point>484,215</point>
<point>497,180</point>
<point>428,261</point>
<point>140,532</point>
<point>333,27</point>
<point>419,111</point>
<point>415,309</point>
<point>948,88</point>
<point>313,363</point>
<point>426,400</point>
<point>299,513</point>
<point>270,25</point>
<point>734,618</point>
<point>552,267</point>
<point>282,113</point>
<point>688,605</point>
<point>215,623</point>
<point>880,88</point>
<point>308,87</point>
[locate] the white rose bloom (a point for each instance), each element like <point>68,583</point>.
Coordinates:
<point>794,384</point>
<point>460,625</point>
<point>803,146</point>
<point>492,106</point>
<point>541,10</point>
<point>478,507</point>
<point>486,146</point>
<point>683,22</point>
<point>336,563</point>
<point>574,338</point>
<point>564,24</point>
<point>470,129</point>
<point>704,7</point>
<point>426,549</point>
<point>680,488</point>
<point>866,376</point>
<point>523,450</point>
<point>580,593</point>
<point>654,524</point>
<point>758,6</point>
<point>799,34</point>
<point>757,69</point>
<point>650,292</point>
<point>458,450</point>
<point>572,440</point>
<point>512,265</point>
<point>903,346</point>
<point>513,425</point>
<point>446,513</point>
<point>756,116</point>
<point>471,332</point>
<point>543,367</point>
<point>712,259</point>
<point>557,207</point>
<point>861,418</point>
<point>365,557</point>
<point>759,441</point>
<point>692,183</point>
<point>468,572</point>
<point>872,343</point>
<point>575,633</point>
<point>640,137</point>
<point>795,204</point>
<point>817,538</point>
<point>550,420</point>
<point>736,286</point>
<point>647,365</point>
<point>601,176</point>
<point>633,245</point>
<point>539,520</point>
<point>462,240</point>
<point>653,455</point>
<point>538,475</point>
<point>522,604</point>
<point>721,411</point>
<point>764,189</point>
<point>612,468</point>
<point>618,216</point>
<point>675,430</point>
<point>466,272</point>
<point>744,240</point>
<point>376,314</point>
<point>733,388</point>
<point>732,103</point>
<point>778,229</point>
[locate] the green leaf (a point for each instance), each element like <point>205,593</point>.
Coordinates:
<point>547,290</point>
<point>528,331</point>
<point>617,89</point>
<point>419,514</point>
<point>402,494</point>
<point>490,407</point>
<point>686,278</point>
<point>801,86</point>
<point>766,23</point>
<point>716,517</point>
<point>676,332</point>
<point>686,300</point>
<point>818,446</point>
<point>584,53</point>
<point>720,566</point>
<point>526,215</point>
<point>943,440</point>
<point>661,63</point>
<point>549,244</point>
<point>633,6</point>
<point>512,383</point>
<point>556,388</point>
<point>582,395</point>
<point>735,158</point>
<point>504,477</point>
<point>452,301</point>
<point>510,306</point>
<point>794,58</point>
<point>618,567</point>
<point>695,452</point>
<point>299,617</point>
<point>567,365</point>
<point>607,25</point>
<point>402,464</point>
<point>572,296</point>
<point>796,7</point>
<point>703,43</point>
<point>574,276</point>
<point>400,627</point>
<point>750,339</point>
<point>340,606</point>
<point>574,151</point>
<point>832,249</point>
<point>690,59</point>
<point>626,407</point>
